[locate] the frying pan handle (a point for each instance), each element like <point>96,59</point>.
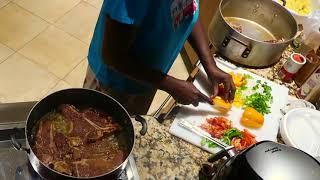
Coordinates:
<point>144,124</point>
<point>16,144</point>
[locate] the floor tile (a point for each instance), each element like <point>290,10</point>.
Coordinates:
<point>56,50</point>
<point>59,86</point>
<point>95,3</point>
<point>50,10</point>
<point>77,75</point>
<point>80,21</point>
<point>3,3</point>
<point>23,80</point>
<point>18,26</point>
<point>5,52</point>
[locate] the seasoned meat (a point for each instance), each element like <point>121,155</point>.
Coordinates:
<point>236,26</point>
<point>91,167</point>
<point>63,167</point>
<point>44,145</point>
<point>79,143</point>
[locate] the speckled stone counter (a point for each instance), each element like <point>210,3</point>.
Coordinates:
<point>160,155</point>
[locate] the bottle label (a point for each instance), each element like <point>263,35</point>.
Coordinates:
<point>311,83</point>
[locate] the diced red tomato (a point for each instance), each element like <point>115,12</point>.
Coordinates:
<point>216,126</point>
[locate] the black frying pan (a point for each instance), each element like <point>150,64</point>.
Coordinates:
<point>78,97</point>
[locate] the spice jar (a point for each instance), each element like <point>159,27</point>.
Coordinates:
<point>291,66</point>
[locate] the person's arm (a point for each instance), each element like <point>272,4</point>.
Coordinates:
<point>118,40</point>
<point>199,42</point>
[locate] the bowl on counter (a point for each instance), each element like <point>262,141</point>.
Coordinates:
<point>301,17</point>
<point>299,128</point>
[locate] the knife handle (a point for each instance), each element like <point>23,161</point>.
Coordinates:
<point>222,153</point>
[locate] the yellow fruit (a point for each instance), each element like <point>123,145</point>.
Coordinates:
<point>238,101</point>
<point>238,79</point>
<point>252,118</point>
<point>221,104</point>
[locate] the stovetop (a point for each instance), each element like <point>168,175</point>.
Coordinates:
<point>14,164</point>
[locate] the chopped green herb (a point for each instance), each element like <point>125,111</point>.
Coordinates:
<point>260,101</point>
<point>209,143</point>
<point>233,132</point>
<point>226,140</point>
<point>247,76</point>
<point>230,134</point>
<point>227,137</point>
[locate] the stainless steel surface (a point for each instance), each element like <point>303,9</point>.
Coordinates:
<point>15,164</point>
<point>14,114</point>
<point>260,20</point>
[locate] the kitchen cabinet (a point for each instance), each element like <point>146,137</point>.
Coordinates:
<point>207,10</point>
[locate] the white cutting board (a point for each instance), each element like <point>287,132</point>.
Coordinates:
<point>198,115</point>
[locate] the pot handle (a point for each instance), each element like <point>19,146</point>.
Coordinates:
<point>16,144</point>
<point>143,122</point>
<point>284,2</point>
<point>232,40</point>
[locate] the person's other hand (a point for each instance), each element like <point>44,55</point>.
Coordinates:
<point>186,93</point>
<point>217,76</point>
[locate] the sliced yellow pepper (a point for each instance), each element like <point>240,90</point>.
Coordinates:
<point>238,79</point>
<point>252,118</point>
<point>221,104</point>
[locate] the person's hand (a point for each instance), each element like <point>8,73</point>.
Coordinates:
<point>217,76</point>
<point>186,93</point>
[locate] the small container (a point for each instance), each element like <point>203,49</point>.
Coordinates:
<point>291,67</point>
<point>299,103</point>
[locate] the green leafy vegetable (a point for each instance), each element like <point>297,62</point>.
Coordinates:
<point>209,143</point>
<point>233,132</point>
<point>260,101</point>
<point>227,137</point>
<point>230,134</point>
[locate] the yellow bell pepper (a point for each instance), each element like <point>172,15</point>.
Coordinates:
<point>252,118</point>
<point>221,104</point>
<point>238,79</point>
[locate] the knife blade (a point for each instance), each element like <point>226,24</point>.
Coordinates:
<point>187,125</point>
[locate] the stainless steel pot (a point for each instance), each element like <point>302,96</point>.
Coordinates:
<point>260,21</point>
<point>79,97</point>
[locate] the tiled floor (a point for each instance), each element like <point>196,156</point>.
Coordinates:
<point>44,46</point>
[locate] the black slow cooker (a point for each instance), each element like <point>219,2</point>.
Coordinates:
<point>269,161</point>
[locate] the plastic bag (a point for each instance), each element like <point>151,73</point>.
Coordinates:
<point>311,30</point>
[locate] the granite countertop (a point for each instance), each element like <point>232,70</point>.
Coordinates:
<point>160,155</point>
